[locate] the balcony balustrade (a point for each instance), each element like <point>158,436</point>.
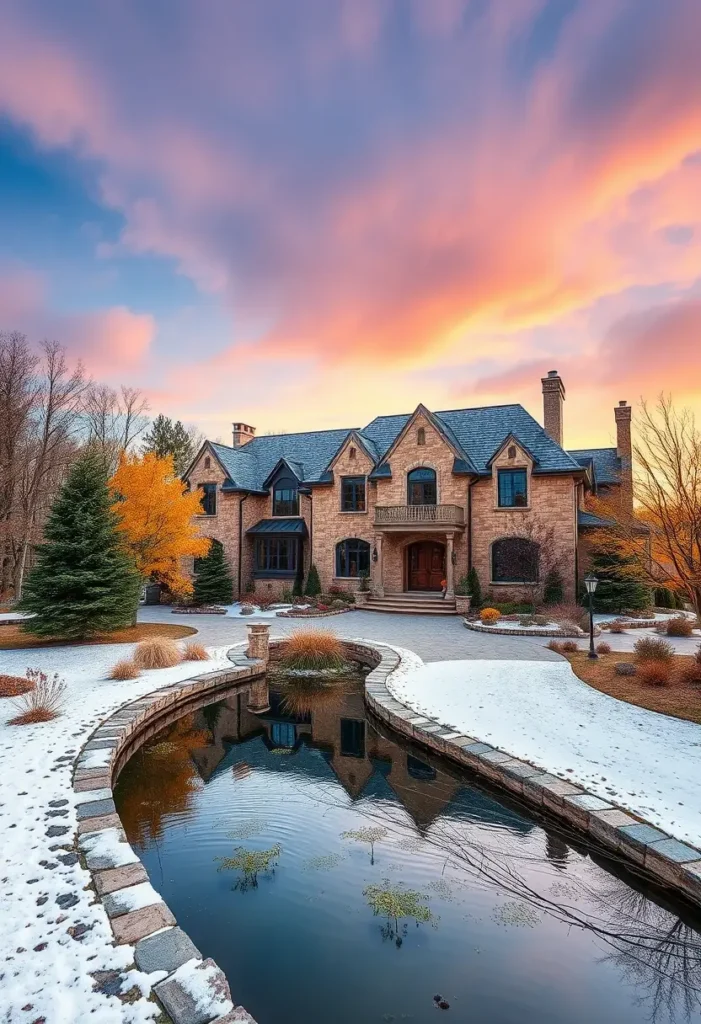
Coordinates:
<point>419,516</point>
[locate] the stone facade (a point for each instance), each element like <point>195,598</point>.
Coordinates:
<point>464,521</point>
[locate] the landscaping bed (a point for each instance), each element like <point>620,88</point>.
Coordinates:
<point>678,699</point>
<point>13,638</point>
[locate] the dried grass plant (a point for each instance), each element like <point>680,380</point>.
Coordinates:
<point>43,702</point>
<point>157,652</point>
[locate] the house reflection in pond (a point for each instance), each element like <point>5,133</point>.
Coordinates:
<point>335,741</point>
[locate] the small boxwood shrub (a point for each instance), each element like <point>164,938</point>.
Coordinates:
<point>488,616</point>
<point>652,648</point>
<point>680,625</point>
<point>655,673</point>
<point>625,668</point>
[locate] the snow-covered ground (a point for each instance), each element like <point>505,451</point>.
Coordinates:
<point>234,610</point>
<point>513,626</point>
<point>541,712</point>
<point>46,972</point>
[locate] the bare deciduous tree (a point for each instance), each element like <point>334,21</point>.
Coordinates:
<point>114,419</point>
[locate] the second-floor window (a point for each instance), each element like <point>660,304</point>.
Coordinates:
<point>353,494</point>
<point>285,500</point>
<point>421,486</point>
<point>512,485</point>
<point>209,499</point>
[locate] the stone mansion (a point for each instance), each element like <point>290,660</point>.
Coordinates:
<point>409,500</point>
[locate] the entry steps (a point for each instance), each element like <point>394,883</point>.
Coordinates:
<point>413,603</point>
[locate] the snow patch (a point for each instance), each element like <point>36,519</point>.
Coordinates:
<point>136,896</point>
<point>200,981</point>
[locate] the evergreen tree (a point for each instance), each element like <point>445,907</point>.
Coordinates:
<point>168,437</point>
<point>554,587</point>
<point>313,588</point>
<point>83,582</point>
<point>298,585</point>
<point>474,588</point>
<point>620,586</point>
<point>213,580</point>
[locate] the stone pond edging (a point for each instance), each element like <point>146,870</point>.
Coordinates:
<point>666,860</point>
<point>195,990</point>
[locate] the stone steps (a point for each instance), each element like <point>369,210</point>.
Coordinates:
<point>412,604</point>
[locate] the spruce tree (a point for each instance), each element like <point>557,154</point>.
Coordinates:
<point>83,582</point>
<point>313,588</point>
<point>619,585</point>
<point>474,588</point>
<point>298,586</point>
<point>168,437</point>
<point>213,581</point>
<point>553,588</point>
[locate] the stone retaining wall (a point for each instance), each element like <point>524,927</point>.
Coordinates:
<point>479,627</point>
<point>648,850</point>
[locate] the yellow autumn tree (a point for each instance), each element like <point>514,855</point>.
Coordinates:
<point>155,512</point>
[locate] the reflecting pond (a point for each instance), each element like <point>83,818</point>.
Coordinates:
<point>338,874</point>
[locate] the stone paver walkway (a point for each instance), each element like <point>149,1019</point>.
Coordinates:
<point>433,638</point>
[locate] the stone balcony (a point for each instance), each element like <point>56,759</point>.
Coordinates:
<point>419,517</point>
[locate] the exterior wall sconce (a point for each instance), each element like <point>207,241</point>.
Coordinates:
<point>454,558</point>
<point>374,554</point>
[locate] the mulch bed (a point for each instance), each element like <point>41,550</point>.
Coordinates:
<point>678,699</point>
<point>12,637</point>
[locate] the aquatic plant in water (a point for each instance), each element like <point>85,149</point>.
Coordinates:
<point>250,863</point>
<point>369,835</point>
<point>397,903</point>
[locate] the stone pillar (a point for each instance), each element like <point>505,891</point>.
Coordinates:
<point>379,579</point>
<point>449,567</point>
<point>258,641</point>
<point>259,697</point>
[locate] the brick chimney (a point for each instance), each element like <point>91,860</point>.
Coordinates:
<point>243,434</point>
<point>624,450</point>
<point>553,400</point>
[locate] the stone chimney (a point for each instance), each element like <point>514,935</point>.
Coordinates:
<point>553,400</point>
<point>624,450</point>
<point>243,434</point>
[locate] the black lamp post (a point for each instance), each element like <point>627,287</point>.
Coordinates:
<point>591,583</point>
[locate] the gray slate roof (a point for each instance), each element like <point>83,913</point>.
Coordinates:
<point>589,520</point>
<point>476,434</point>
<point>607,465</point>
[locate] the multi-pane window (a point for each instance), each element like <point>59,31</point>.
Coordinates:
<point>353,494</point>
<point>512,486</point>
<point>352,558</point>
<point>209,499</point>
<point>421,486</point>
<point>352,737</point>
<point>276,555</point>
<point>285,501</point>
<point>515,560</point>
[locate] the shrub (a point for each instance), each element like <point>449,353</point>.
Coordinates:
<point>680,625</point>
<point>264,601</point>
<point>338,603</point>
<point>569,646</point>
<point>617,627</point>
<point>247,609</point>
<point>157,652</point>
<point>651,648</point>
<point>488,616</point>
<point>124,669</point>
<point>474,587</point>
<point>313,649</point>
<point>13,686</point>
<point>195,652</point>
<point>364,582</point>
<point>603,648</point>
<point>553,588</point>
<point>625,668</point>
<point>526,620</point>
<point>313,587</point>
<point>214,583</point>
<point>288,596</point>
<point>697,656</point>
<point>691,673</point>
<point>541,620</point>
<point>663,598</point>
<point>43,702</point>
<point>298,585</point>
<point>565,613</point>
<point>655,673</point>
<point>555,645</point>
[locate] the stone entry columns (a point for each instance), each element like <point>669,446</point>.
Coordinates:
<point>449,568</point>
<point>379,586</point>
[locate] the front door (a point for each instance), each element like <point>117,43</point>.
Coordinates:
<point>426,565</point>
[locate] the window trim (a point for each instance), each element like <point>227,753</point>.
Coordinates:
<point>514,582</point>
<point>205,494</point>
<point>409,482</point>
<point>337,558</point>
<point>355,480</point>
<point>513,469</point>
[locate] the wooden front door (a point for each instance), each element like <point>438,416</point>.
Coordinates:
<point>426,565</point>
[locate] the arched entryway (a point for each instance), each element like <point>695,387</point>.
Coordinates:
<point>425,565</point>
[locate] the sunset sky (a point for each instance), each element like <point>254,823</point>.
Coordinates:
<point>303,213</point>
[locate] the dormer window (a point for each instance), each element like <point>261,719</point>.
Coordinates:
<point>285,499</point>
<point>512,485</point>
<point>421,436</point>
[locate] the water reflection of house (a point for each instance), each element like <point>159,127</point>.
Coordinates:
<point>335,741</point>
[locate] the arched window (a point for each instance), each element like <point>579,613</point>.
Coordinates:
<point>421,436</point>
<point>515,560</point>
<point>285,497</point>
<point>421,486</point>
<point>352,558</point>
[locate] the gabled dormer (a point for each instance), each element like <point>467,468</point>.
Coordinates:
<point>420,432</point>
<point>512,466</point>
<point>283,483</point>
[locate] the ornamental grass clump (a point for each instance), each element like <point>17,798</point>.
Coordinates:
<point>43,702</point>
<point>603,648</point>
<point>680,625</point>
<point>313,650</point>
<point>195,652</point>
<point>652,648</point>
<point>157,652</point>
<point>655,673</point>
<point>125,669</point>
<point>569,647</point>
<point>13,686</point>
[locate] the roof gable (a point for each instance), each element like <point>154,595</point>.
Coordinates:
<point>513,439</point>
<point>605,461</point>
<point>442,429</point>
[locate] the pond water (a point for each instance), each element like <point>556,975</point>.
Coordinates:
<point>341,876</point>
